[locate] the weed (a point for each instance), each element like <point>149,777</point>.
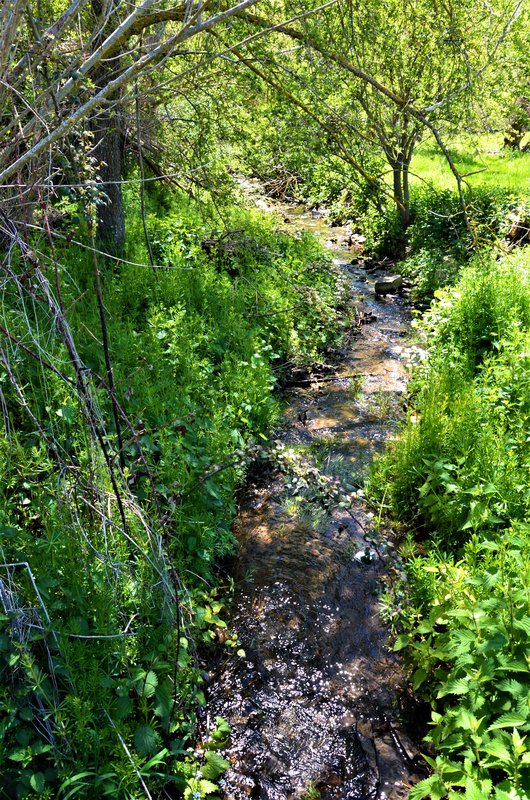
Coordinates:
<point>311,793</point>
<point>458,474</point>
<point>100,682</point>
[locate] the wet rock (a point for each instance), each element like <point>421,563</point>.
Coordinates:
<point>367,318</point>
<point>365,556</point>
<point>388,285</point>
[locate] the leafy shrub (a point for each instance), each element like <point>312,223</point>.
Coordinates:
<point>99,672</point>
<point>458,466</point>
<point>472,640</point>
<point>440,238</point>
<point>458,474</point>
<point>490,300</point>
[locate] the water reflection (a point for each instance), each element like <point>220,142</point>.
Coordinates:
<point>317,704</point>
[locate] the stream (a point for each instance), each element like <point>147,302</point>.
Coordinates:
<point>319,706</point>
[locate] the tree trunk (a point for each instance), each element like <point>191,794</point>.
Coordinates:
<point>108,140</point>
<point>107,127</point>
<point>400,171</point>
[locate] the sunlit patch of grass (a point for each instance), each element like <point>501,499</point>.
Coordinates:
<point>494,167</point>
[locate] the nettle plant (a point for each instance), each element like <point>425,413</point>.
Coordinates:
<point>474,644</point>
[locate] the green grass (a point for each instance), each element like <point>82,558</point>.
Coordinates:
<point>494,167</point>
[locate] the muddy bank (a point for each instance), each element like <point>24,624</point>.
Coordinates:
<point>319,705</point>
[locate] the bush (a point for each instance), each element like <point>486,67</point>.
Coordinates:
<point>470,654</point>
<point>99,668</point>
<point>458,474</point>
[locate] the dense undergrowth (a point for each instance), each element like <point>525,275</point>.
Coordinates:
<point>101,680</point>
<point>458,476</point>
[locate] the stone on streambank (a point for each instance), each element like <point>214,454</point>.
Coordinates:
<point>388,284</point>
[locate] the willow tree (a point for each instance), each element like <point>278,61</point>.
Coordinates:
<point>391,72</point>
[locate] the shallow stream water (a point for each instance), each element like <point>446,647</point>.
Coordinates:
<point>319,705</point>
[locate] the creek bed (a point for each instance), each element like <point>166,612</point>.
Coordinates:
<point>319,705</point>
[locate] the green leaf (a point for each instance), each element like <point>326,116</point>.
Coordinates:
<point>423,788</point>
<point>402,641</point>
<point>419,677</point>
<point>500,794</point>
<point>523,624</point>
<point>207,787</point>
<point>425,626</point>
<point>473,791</point>
<point>499,750</point>
<point>215,765</point>
<point>432,787</point>
<point>513,687</point>
<point>183,657</point>
<point>38,782</point>
<point>19,754</point>
<point>158,759</point>
<point>164,699</point>
<point>467,721</point>
<point>514,666</point>
<point>146,740</point>
<point>150,684</point>
<point>222,731</point>
<point>123,706</point>
<point>510,720</point>
<point>458,686</point>
<point>78,783</point>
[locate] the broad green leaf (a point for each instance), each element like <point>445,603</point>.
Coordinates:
<point>500,794</point>
<point>215,765</point>
<point>514,666</point>
<point>419,677</point>
<point>221,733</point>
<point>498,749</point>
<point>207,787</point>
<point>473,791</point>
<point>425,788</point>
<point>425,626</point>
<point>523,624</point>
<point>19,754</point>
<point>403,640</point>
<point>458,686</point>
<point>510,720</point>
<point>146,740</point>
<point>150,684</point>
<point>467,720</point>
<point>511,686</point>
<point>183,657</point>
<point>38,782</point>
<point>123,706</point>
<point>164,699</point>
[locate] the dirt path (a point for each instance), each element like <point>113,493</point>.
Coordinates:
<point>319,706</point>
